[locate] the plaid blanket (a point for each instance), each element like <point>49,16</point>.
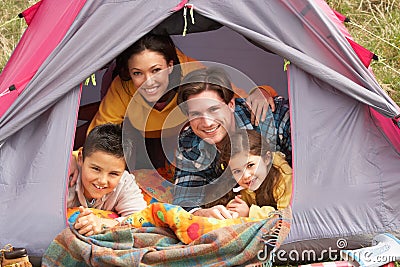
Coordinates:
<point>228,245</point>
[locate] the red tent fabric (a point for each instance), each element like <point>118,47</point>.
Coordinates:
<point>340,16</point>
<point>29,13</point>
<point>36,44</point>
<point>364,54</point>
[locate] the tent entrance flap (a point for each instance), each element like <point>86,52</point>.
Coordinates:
<point>338,150</point>
<point>33,177</point>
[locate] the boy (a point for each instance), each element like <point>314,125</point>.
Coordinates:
<point>103,182</point>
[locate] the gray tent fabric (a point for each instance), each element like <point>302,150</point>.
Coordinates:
<point>195,46</point>
<point>32,174</point>
<point>343,183</point>
<point>345,169</point>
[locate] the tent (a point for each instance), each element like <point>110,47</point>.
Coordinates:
<point>345,135</point>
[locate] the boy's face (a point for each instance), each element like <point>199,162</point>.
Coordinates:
<point>100,173</point>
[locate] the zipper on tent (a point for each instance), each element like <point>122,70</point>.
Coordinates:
<point>9,90</point>
<point>71,156</point>
<point>186,6</point>
<point>91,77</point>
<point>286,64</point>
<point>287,70</point>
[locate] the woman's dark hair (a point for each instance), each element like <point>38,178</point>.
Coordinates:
<point>197,81</point>
<point>162,44</point>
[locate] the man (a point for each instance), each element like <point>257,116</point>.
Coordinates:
<point>206,97</point>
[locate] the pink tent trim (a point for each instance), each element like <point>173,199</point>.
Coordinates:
<point>46,30</point>
<point>29,13</point>
<point>364,54</point>
<point>388,127</point>
<point>386,124</point>
<point>340,16</point>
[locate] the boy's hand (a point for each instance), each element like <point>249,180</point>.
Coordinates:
<point>239,206</point>
<point>87,223</point>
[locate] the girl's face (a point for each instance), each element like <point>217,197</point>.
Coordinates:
<point>248,170</point>
<point>149,72</point>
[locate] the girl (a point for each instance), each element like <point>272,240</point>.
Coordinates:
<point>264,177</point>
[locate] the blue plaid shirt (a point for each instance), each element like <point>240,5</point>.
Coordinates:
<point>196,160</point>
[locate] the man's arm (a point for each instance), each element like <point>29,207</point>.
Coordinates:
<point>189,176</point>
<point>195,169</point>
<point>189,186</point>
<point>189,191</point>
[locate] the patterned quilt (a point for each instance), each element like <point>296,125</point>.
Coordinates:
<point>166,235</point>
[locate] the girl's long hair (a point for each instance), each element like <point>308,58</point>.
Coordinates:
<point>255,144</point>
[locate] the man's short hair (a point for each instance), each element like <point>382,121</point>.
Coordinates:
<point>197,81</point>
<point>106,138</point>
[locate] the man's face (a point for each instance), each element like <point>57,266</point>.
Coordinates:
<point>210,118</point>
<point>100,173</point>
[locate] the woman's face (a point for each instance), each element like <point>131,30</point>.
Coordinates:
<point>248,170</point>
<point>149,72</point>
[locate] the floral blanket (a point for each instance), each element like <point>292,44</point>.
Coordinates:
<point>166,235</point>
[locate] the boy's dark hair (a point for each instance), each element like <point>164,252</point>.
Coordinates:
<point>197,81</point>
<point>106,138</point>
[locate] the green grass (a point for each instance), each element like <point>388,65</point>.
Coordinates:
<point>11,27</point>
<point>375,24</point>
